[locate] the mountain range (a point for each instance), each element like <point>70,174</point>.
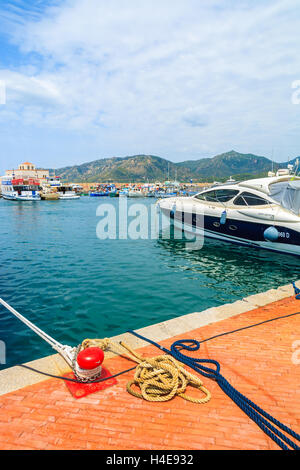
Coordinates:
<point>150,168</point>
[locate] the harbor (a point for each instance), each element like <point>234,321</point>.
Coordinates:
<point>28,183</point>
<point>53,270</point>
<point>36,413</point>
<point>39,401</point>
<point>149,230</point>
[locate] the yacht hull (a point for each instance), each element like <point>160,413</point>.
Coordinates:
<point>244,231</point>
<point>135,194</point>
<point>10,197</point>
<point>69,197</point>
<point>271,246</point>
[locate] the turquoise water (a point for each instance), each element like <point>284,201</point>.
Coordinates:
<point>56,272</point>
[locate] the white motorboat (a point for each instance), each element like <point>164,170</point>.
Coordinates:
<point>20,189</point>
<point>135,193</point>
<point>64,191</point>
<point>67,192</point>
<point>261,213</point>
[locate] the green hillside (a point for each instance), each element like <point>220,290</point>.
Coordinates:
<point>150,168</point>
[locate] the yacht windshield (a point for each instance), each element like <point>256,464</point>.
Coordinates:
<point>250,199</point>
<point>218,195</point>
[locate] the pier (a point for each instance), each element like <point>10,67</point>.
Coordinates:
<point>261,362</point>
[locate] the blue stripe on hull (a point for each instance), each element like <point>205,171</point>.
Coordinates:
<point>249,231</point>
<point>251,245</point>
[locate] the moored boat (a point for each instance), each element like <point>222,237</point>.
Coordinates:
<point>54,190</point>
<point>261,213</point>
<point>104,190</point>
<point>20,189</point>
<point>99,194</point>
<point>66,192</point>
<point>135,193</point>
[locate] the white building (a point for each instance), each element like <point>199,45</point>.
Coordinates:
<point>28,170</point>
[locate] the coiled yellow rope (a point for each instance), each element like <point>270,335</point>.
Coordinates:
<point>159,378</point>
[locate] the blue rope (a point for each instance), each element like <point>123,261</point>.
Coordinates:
<point>297,291</point>
<point>255,413</point>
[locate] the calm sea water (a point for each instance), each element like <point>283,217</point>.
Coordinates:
<point>56,272</point>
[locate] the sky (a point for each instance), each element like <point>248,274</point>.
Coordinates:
<point>182,79</point>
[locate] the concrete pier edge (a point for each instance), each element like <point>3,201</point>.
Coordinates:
<point>15,378</point>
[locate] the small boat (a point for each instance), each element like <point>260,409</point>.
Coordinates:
<point>168,193</point>
<point>103,190</point>
<point>20,189</point>
<point>135,193</point>
<point>261,213</point>
<point>114,193</point>
<point>231,180</point>
<point>99,194</point>
<point>66,193</point>
<point>54,189</point>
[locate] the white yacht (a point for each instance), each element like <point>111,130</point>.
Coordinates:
<point>261,213</point>
<point>135,192</point>
<point>63,191</point>
<point>20,189</point>
<point>67,192</point>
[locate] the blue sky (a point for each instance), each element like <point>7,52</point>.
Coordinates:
<point>87,79</point>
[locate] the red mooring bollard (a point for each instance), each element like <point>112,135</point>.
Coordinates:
<point>90,358</point>
<point>89,362</point>
<point>88,367</point>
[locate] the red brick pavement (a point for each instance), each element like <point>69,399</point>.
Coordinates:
<point>257,361</point>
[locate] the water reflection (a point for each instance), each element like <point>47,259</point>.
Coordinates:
<point>221,262</point>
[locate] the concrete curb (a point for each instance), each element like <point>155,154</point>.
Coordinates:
<point>15,378</point>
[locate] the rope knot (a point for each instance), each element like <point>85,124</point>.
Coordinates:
<point>159,378</point>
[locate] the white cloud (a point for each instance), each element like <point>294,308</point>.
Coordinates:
<point>171,77</point>
<point>195,118</point>
<point>33,87</point>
